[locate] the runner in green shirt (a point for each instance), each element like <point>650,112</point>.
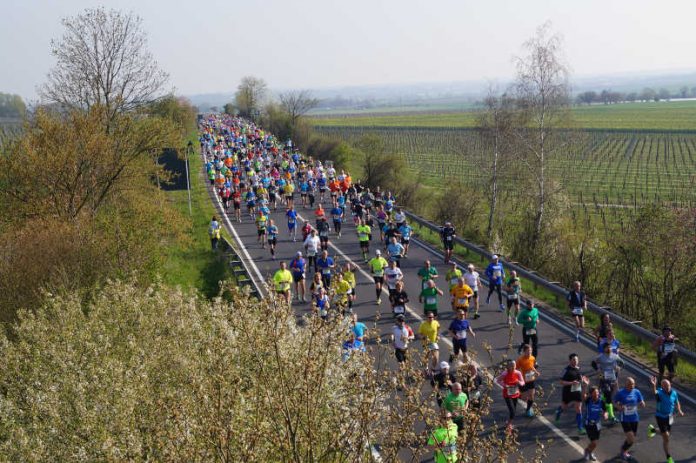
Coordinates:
<point>364,232</point>
<point>428,272</point>
<point>456,403</point>
<point>528,318</point>
<point>428,297</point>
<point>444,440</point>
<point>377,265</point>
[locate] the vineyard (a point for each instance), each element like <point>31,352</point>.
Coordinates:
<point>608,168</point>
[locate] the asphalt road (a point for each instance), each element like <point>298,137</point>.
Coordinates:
<point>562,441</point>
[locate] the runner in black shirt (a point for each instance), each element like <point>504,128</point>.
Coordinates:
<point>572,381</point>
<point>447,234</point>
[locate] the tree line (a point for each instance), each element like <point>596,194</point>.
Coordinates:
<point>608,96</point>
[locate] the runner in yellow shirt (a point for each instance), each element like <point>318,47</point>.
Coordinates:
<point>429,332</point>
<point>452,276</point>
<point>377,264</point>
<point>461,293</point>
<point>282,280</point>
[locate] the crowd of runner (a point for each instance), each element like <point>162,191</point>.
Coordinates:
<point>254,173</point>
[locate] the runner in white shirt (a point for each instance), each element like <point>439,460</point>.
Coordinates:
<point>392,275</point>
<point>471,277</point>
<point>311,245</point>
<point>402,335</point>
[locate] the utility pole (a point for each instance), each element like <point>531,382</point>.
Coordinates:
<point>189,151</point>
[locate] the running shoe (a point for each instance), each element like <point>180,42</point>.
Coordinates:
<point>651,431</point>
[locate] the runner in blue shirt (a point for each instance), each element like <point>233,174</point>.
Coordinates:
<point>496,274</point>
<point>395,250</point>
<point>291,214</point>
<point>325,264</point>
<point>626,402</point>
<point>595,411</point>
<point>297,267</point>
<point>667,403</point>
<point>405,231</point>
<point>359,329</point>
<point>272,234</point>
<point>337,215</point>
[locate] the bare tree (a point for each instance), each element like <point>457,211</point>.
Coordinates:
<point>495,125</point>
<point>102,59</point>
<point>543,96</point>
<point>250,95</point>
<point>297,103</point>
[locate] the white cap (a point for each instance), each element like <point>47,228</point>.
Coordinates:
<point>299,253</point>
<point>378,252</point>
<point>495,256</point>
<point>444,365</point>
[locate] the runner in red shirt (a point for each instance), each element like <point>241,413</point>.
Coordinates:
<point>511,380</point>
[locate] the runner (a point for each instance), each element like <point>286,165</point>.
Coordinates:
<point>359,329</point>
<point>666,348</point>
<point>608,365</point>
<point>311,245</point>
<point>472,279</point>
<point>261,222</point>
<point>395,251</point>
<point>601,330</point>
<point>291,214</point>
<point>529,319</point>
<point>399,299</point>
<point>364,232</point>
<point>377,265</point>
<point>667,403</point>
<point>428,297</point>
<point>442,381</point>
<point>626,402</point>
<point>444,440</point>
<point>283,280</point>
<point>349,276</point>
<point>237,204</point>
<point>611,341</point>
<point>316,284</point>
<point>459,328</point>
<point>272,233</point>
<point>429,332</point>
<point>461,293</point>
<point>595,410</point>
<point>337,215</point>
<point>513,288</point>
<point>577,304</point>
<point>452,278</point>
<point>401,335</point>
<point>320,302</point>
<point>527,366</point>
<point>393,275</point>
<point>572,381</point>
<point>341,292</point>
<point>511,380</point>
<point>496,274</point>
<point>297,267</point>
<point>289,191</point>
<point>323,230</point>
<point>326,264</point>
<point>405,231</point>
<point>457,403</point>
<point>447,235</point>
<point>427,273</point>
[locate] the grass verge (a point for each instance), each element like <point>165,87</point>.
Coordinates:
<point>190,262</point>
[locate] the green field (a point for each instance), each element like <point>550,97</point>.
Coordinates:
<point>610,168</point>
<point>664,116</point>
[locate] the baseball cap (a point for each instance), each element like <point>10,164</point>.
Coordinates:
<point>495,256</point>
<point>299,253</point>
<point>444,365</point>
<point>470,266</point>
<point>378,252</point>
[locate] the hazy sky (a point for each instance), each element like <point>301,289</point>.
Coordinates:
<point>207,46</point>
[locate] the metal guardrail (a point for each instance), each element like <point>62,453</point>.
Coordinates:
<point>555,288</point>
<point>238,268</point>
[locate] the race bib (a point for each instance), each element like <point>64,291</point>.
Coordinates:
<point>461,334</point>
<point>512,297</point>
<point>326,271</point>
<point>630,410</point>
<point>399,309</point>
<point>671,420</point>
<point>378,273</point>
<point>529,376</point>
<point>497,274</point>
<point>425,284</point>
<point>609,375</point>
<point>454,281</point>
<point>462,301</point>
<point>577,310</point>
<point>362,236</point>
<point>449,450</point>
<point>449,238</point>
<point>530,331</point>
<point>311,253</point>
<point>512,390</point>
<point>576,387</point>
<point>668,347</point>
<point>430,300</point>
